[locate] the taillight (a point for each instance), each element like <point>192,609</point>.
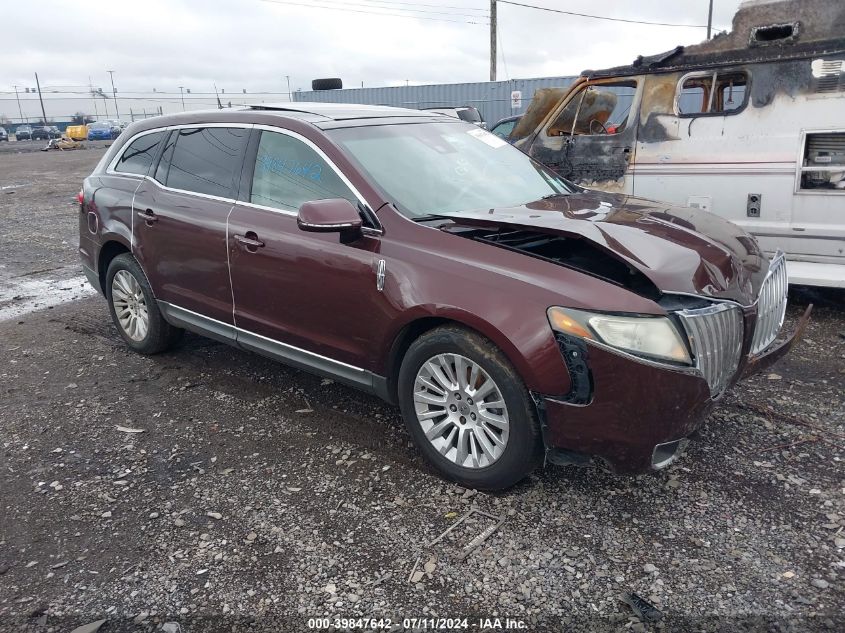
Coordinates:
<point>80,197</point>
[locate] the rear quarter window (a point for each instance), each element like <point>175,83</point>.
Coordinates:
<point>139,155</point>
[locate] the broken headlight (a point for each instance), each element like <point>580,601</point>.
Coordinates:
<point>653,337</point>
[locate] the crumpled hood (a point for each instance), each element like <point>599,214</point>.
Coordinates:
<point>679,249</point>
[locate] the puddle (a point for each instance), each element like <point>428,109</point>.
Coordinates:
<point>20,297</point>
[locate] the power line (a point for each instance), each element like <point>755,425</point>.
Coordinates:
<point>394,15</point>
<point>601,17</point>
<point>367,4</point>
<point>420,4</point>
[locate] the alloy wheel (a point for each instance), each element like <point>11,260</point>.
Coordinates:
<point>130,305</point>
<point>461,410</point>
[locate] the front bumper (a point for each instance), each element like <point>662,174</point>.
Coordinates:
<point>638,411</point>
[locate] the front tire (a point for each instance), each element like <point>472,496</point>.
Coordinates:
<point>134,309</point>
<point>468,410</point>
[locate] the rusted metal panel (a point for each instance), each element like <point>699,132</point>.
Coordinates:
<point>761,32</point>
<point>541,104</point>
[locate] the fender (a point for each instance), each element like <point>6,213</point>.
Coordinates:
<point>544,372</point>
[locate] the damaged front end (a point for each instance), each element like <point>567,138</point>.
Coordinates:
<point>722,311</point>
<point>726,342</point>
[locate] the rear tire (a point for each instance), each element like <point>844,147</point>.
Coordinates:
<point>502,443</point>
<point>134,310</point>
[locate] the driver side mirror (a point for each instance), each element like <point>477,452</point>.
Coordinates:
<point>335,215</point>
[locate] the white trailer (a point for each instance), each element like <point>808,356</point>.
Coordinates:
<point>749,125</point>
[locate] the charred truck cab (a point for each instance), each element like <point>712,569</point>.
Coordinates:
<point>749,125</point>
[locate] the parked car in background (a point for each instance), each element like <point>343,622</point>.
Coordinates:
<point>54,131</point>
<point>77,132</point>
<point>99,131</point>
<point>504,127</point>
<point>41,133</point>
<point>513,316</point>
<point>4,135</point>
<point>23,133</point>
<point>116,128</point>
<point>470,114</point>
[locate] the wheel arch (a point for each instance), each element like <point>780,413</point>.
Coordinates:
<point>108,251</point>
<point>419,324</point>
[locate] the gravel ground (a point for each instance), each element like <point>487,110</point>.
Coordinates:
<point>210,489</point>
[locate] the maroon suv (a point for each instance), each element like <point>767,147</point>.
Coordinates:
<point>512,315</point>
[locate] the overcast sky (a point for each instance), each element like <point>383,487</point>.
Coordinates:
<point>253,44</point>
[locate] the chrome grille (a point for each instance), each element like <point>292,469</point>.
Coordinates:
<point>715,333</point>
<point>771,305</point>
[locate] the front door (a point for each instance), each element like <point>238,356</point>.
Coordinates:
<point>590,140</point>
<point>294,289</point>
<point>180,213</point>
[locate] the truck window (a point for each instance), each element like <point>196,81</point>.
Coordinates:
<point>823,164</point>
<point>596,109</point>
<point>697,95</point>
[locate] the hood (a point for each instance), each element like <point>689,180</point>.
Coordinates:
<point>678,249</point>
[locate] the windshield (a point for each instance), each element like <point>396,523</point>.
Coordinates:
<point>432,168</point>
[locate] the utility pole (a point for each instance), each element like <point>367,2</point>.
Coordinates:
<point>709,19</point>
<point>493,40</point>
<point>114,94</point>
<point>20,110</point>
<point>43,112</point>
<point>290,96</point>
<point>182,90</point>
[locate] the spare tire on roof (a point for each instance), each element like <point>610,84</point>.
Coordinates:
<point>333,83</point>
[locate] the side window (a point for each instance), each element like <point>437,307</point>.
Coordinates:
<point>504,130</point>
<point>140,154</point>
<point>597,109</point>
<point>712,93</point>
<point>288,172</point>
<point>205,160</point>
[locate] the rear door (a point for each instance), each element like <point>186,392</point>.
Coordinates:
<point>108,215</point>
<point>291,287</point>
<point>179,219</point>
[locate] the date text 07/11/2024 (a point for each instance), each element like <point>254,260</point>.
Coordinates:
<point>417,623</point>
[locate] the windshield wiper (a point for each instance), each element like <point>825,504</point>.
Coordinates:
<point>554,195</point>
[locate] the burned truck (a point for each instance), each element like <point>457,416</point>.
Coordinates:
<point>749,125</point>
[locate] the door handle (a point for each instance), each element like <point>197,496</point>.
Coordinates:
<point>249,241</point>
<point>148,216</point>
